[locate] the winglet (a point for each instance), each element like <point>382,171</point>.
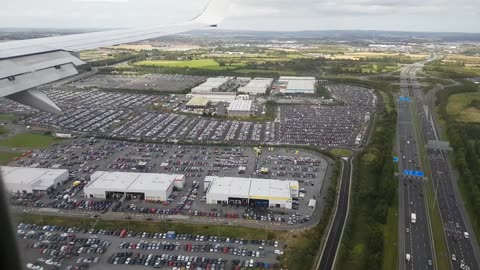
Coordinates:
<point>36,99</point>
<point>213,13</point>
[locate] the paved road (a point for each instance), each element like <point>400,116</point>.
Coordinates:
<point>415,238</point>
<point>452,212</point>
<point>330,250</point>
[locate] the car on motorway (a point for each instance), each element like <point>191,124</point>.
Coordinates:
<point>429,262</point>
<point>408,257</point>
<point>454,257</point>
<point>466,235</point>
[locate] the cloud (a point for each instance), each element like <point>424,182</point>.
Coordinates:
<point>458,15</point>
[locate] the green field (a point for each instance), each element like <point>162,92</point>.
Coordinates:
<point>28,140</point>
<point>7,117</point>
<point>459,105</point>
<point>6,157</point>
<point>341,152</point>
<point>266,71</point>
<point>3,130</point>
<point>200,64</point>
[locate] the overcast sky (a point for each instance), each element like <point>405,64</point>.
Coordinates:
<point>404,15</point>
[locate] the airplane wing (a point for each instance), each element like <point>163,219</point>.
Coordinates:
<point>26,64</point>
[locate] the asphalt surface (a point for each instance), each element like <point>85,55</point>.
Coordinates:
<point>415,238</point>
<point>327,260</point>
<point>448,198</point>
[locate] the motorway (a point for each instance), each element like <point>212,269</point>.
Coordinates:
<point>330,250</point>
<point>414,238</point>
<point>453,215</point>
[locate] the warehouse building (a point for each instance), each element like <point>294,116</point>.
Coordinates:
<point>240,108</point>
<point>137,186</point>
<point>257,86</point>
<point>216,97</point>
<point>250,191</point>
<point>32,180</point>
<point>212,85</point>
<point>297,85</point>
<point>198,102</point>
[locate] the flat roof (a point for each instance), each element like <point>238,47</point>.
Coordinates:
<point>233,186</point>
<point>252,188</point>
<point>153,181</point>
<point>307,85</point>
<point>240,105</point>
<point>294,78</point>
<point>131,181</point>
<point>270,189</point>
<point>38,178</point>
<point>198,101</point>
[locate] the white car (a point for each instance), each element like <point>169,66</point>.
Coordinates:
<point>466,235</point>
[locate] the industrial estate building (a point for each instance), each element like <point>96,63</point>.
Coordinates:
<point>148,186</point>
<point>257,86</point>
<point>240,108</point>
<point>212,85</point>
<point>251,191</point>
<point>198,102</point>
<point>32,180</point>
<point>297,85</point>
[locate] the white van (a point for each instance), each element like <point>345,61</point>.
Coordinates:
<point>408,257</point>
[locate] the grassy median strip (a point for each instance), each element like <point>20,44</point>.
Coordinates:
<point>438,235</point>
<point>151,226</point>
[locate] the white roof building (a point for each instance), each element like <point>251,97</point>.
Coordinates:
<point>31,180</point>
<point>257,86</point>
<point>238,190</point>
<point>298,84</point>
<point>211,85</point>
<point>215,97</point>
<point>150,186</point>
<point>241,108</point>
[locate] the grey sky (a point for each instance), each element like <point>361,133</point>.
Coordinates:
<point>404,15</point>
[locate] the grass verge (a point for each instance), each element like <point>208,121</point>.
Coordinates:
<point>28,140</point>
<point>341,152</point>
<point>150,226</point>
<point>6,157</point>
<point>390,238</point>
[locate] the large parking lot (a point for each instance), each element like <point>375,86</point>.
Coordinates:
<point>127,116</point>
<point>338,125</point>
<point>156,82</point>
<point>82,158</point>
<point>58,247</point>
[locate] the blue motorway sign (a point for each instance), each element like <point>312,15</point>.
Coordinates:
<point>395,159</point>
<point>406,99</point>
<point>414,173</point>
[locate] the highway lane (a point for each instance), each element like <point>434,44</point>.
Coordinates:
<point>330,250</point>
<point>415,237</point>
<point>465,250</point>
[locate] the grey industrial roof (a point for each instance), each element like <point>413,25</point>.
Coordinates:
<point>38,178</point>
<point>131,181</point>
<point>240,105</point>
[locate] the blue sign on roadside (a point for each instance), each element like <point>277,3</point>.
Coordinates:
<point>408,99</point>
<point>414,173</point>
<point>402,99</point>
<point>395,159</point>
<point>419,174</point>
